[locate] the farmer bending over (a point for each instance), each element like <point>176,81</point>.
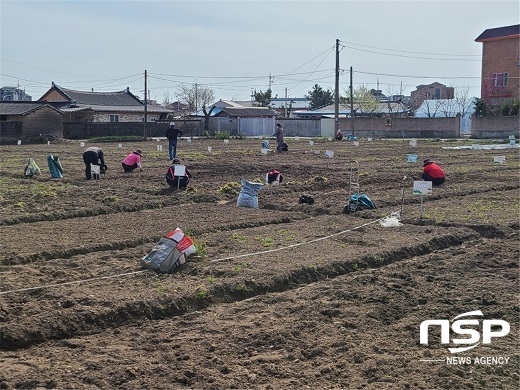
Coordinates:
<point>133,161</point>
<point>177,181</point>
<point>432,172</point>
<point>93,156</point>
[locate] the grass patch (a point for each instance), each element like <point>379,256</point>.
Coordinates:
<point>231,189</point>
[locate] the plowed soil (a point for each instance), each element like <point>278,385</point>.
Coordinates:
<point>286,296</point>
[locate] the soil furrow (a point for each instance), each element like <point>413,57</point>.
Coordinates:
<point>62,324</point>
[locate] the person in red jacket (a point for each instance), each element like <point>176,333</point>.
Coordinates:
<point>432,172</point>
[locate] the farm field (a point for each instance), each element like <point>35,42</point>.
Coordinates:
<point>287,296</point>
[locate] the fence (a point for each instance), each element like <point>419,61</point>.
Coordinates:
<point>482,127</point>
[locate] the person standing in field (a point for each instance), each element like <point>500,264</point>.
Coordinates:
<point>172,134</point>
<point>93,156</point>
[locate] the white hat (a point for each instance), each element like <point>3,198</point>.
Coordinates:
<point>172,124</point>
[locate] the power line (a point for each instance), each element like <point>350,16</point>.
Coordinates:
<point>416,77</point>
<point>415,57</point>
<point>414,52</point>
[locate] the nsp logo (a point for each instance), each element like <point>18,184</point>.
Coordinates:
<point>460,327</point>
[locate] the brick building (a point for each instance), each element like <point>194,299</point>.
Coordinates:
<point>430,92</point>
<point>500,64</point>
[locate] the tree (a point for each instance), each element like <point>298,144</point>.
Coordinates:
<point>510,107</point>
<point>481,108</point>
<point>464,103</point>
<point>262,99</point>
<point>430,107</point>
<point>198,96</point>
<point>319,97</point>
<point>365,100</point>
<point>166,99</point>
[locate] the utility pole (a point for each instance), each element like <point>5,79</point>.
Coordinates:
<point>336,91</point>
<point>352,112</point>
<point>270,79</point>
<point>145,104</point>
<point>286,102</point>
<point>196,98</point>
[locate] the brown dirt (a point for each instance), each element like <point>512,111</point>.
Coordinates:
<point>267,305</point>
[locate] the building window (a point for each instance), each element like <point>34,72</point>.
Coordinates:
<point>437,93</point>
<point>500,79</point>
<point>114,118</point>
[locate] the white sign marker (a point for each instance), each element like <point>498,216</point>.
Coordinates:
<point>179,170</point>
<point>421,187</point>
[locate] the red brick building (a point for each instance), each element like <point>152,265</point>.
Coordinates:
<point>429,92</point>
<point>500,64</point>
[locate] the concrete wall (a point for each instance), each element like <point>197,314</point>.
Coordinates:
<point>49,122</point>
<point>153,129</point>
<point>257,127</point>
<point>395,127</point>
<point>499,127</point>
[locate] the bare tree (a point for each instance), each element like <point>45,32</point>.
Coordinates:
<point>394,105</point>
<point>430,107</point>
<point>198,96</point>
<point>464,103</point>
<point>187,95</point>
<point>166,99</point>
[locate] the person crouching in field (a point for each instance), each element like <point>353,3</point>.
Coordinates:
<point>133,161</point>
<point>94,156</point>
<point>177,181</point>
<point>432,172</point>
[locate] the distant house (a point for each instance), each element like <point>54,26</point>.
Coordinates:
<point>230,103</point>
<point>14,94</point>
<point>431,91</point>
<point>84,107</point>
<point>448,108</point>
<point>286,106</point>
<point>232,109</point>
<point>382,109</point>
<point>500,63</point>
<point>244,112</point>
<point>278,104</point>
<point>29,121</point>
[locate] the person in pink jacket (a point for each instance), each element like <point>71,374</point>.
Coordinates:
<point>132,161</point>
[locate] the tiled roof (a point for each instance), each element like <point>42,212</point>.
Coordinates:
<point>22,108</point>
<point>499,32</point>
<point>110,108</point>
<point>121,98</point>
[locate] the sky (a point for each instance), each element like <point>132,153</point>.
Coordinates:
<point>237,47</point>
